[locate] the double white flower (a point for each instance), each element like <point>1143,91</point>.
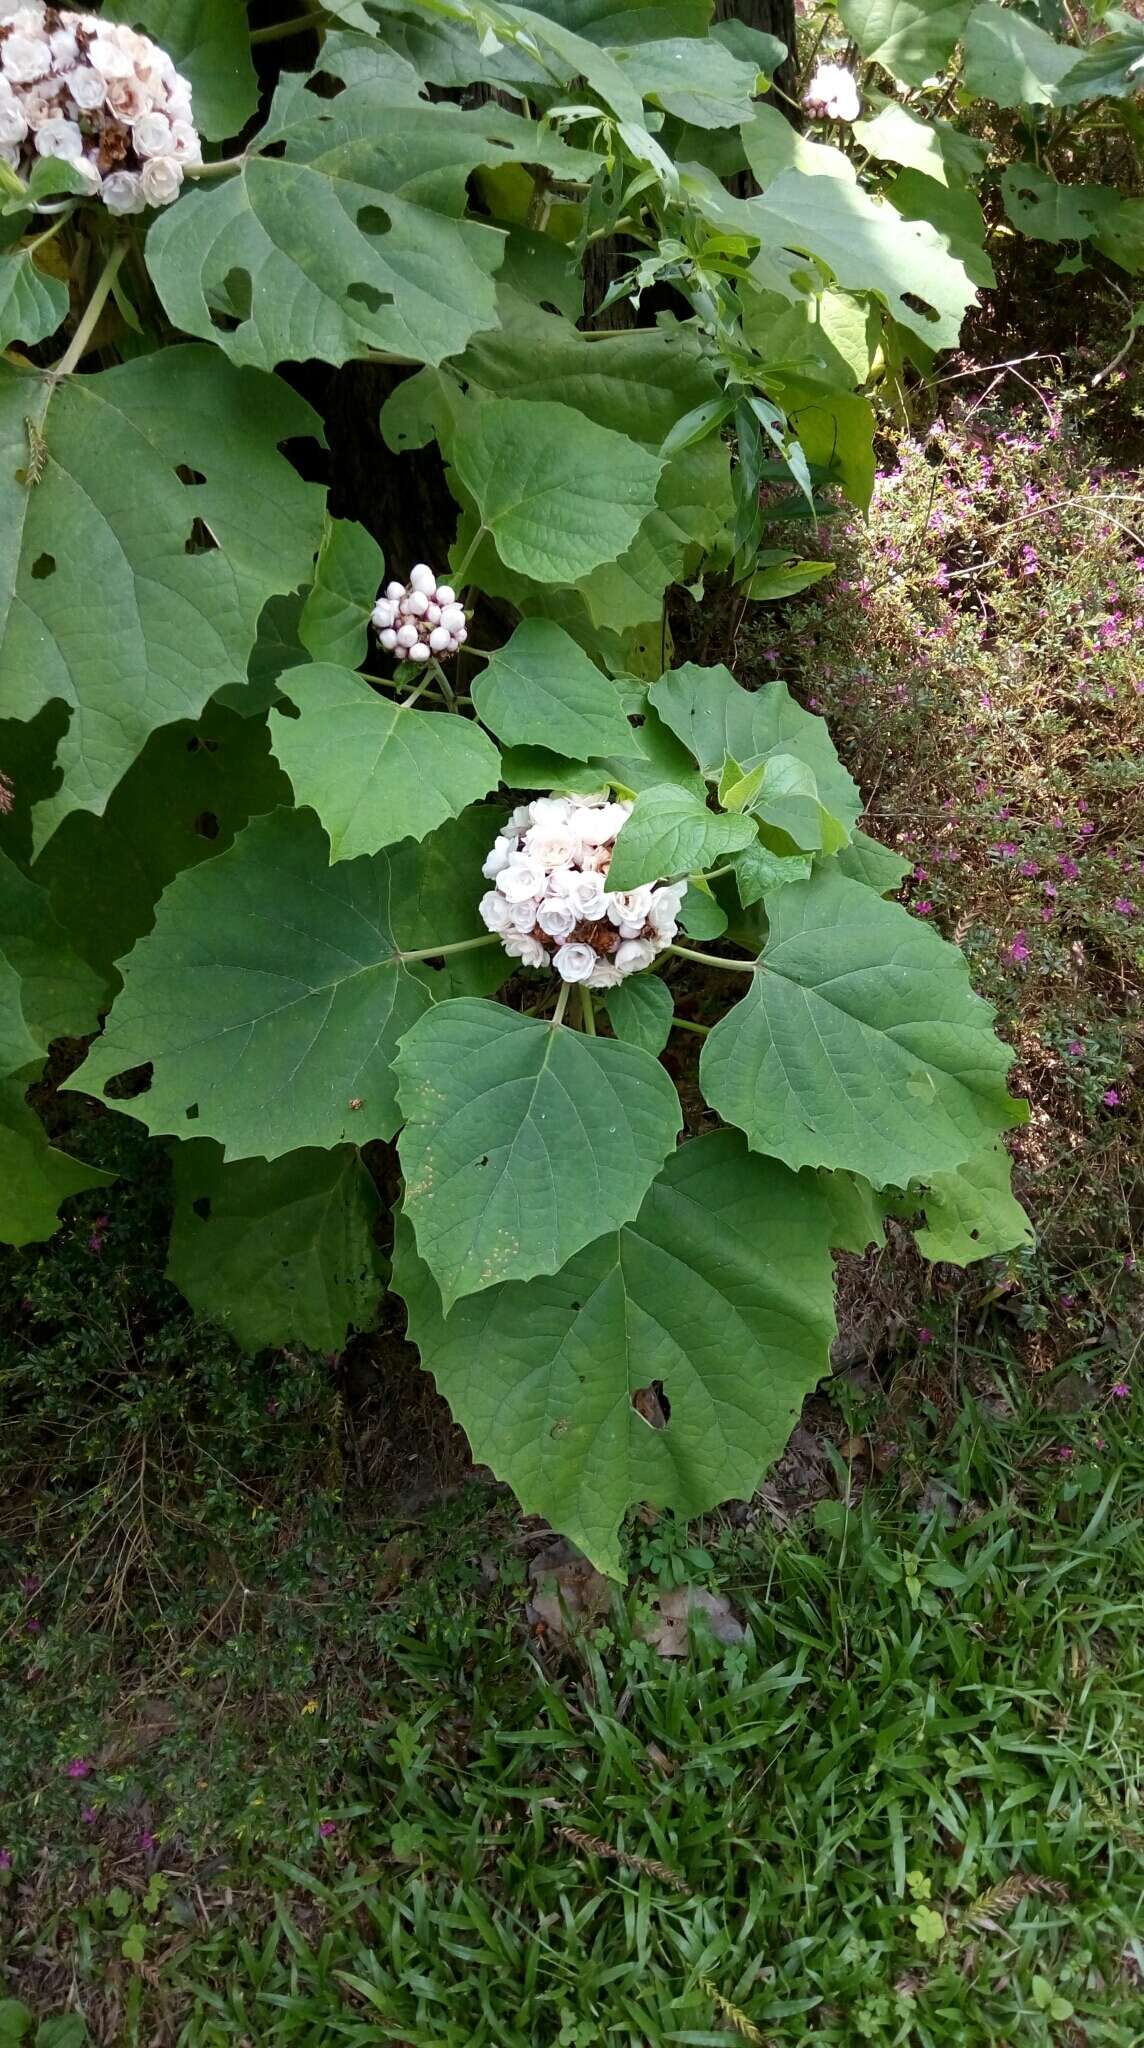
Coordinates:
<point>99,96</point>
<point>550,903</point>
<point>420,618</point>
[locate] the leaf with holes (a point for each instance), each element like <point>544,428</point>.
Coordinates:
<point>46,990</point>
<point>558,494</point>
<point>541,690</point>
<point>34,1176</point>
<point>973,1213</point>
<point>714,716</point>
<point>268,1000</point>
<point>344,229</point>
<point>278,1251</point>
<point>911,39</point>
<point>720,1291</point>
<point>132,575</point>
<point>523,1140</point>
<point>672,833</point>
<point>334,625</point>
<point>376,771</point>
<point>859,1042</point>
<point>640,1011</point>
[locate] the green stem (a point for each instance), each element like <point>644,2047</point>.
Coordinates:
<point>447,689</point>
<point>392,683</point>
<point>470,551</point>
<point>279,29</point>
<point>713,960</point>
<point>682,1024</point>
<point>90,318</point>
<point>561,1004</point>
<point>587,1011</point>
<point>457,946</point>
<point>418,690</point>
<point>215,170</point>
<point>59,222</point>
<point>713,874</point>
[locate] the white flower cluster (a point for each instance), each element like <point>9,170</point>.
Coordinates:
<point>832,94</point>
<point>419,618</point>
<point>98,95</point>
<point>549,904</point>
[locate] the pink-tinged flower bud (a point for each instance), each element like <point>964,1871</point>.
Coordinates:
<point>445,595</point>
<point>394,591</point>
<point>419,651</point>
<point>438,640</point>
<point>388,639</point>
<point>407,636</point>
<point>433,614</point>
<point>421,578</point>
<point>417,603</point>
<point>453,617</point>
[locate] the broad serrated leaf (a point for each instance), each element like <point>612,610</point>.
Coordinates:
<point>210,43</point>
<point>541,690</point>
<point>34,1176</point>
<point>867,861</point>
<point>867,246</point>
<point>973,1213</point>
<point>1010,60</point>
<point>699,82</point>
<point>1051,212</point>
<point>760,869</point>
<point>1113,65</point>
<point>522,1140</point>
<point>773,144</point>
<point>787,799</point>
<point>558,494</point>
<point>693,503</point>
<point>46,990</point>
<point>435,886</point>
<point>721,1291</point>
<point>956,215</point>
<point>32,301</point>
<point>376,771</point>
<point>856,1211</point>
<point>657,757</point>
<point>935,148</point>
<point>859,1042</point>
<point>672,833</point>
<point>640,1011</point>
<point>334,625</point>
<point>268,1000</point>
<point>278,1251</point>
<point>714,716</point>
<point>193,787</point>
<point>132,575</point>
<point>910,39</point>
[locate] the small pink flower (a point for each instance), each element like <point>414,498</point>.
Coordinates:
<point>1029,867</point>
<point>326,1828</point>
<point>1125,906</point>
<point>88,1815</point>
<point>1019,950</point>
<point>1121,1391</point>
<point>1064,1453</point>
<point>921,874</point>
<point>1111,1098</point>
<point>1068,868</point>
<point>79,1767</point>
<point>5,1859</point>
<point>146,1841</point>
<point>1076,1048</point>
<point>925,1336</point>
<point>923,909</point>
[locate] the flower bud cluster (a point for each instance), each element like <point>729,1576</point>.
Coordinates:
<point>832,94</point>
<point>549,904</point>
<point>419,618</point>
<point>99,95</point>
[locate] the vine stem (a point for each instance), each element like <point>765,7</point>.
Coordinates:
<point>90,318</point>
<point>713,960</point>
<point>215,170</point>
<point>683,1024</point>
<point>295,27</point>
<point>561,1004</point>
<point>470,551</point>
<point>447,689</point>
<point>587,1011</point>
<point>457,946</point>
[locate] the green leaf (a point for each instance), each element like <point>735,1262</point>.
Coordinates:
<point>542,690</point>
<point>973,1214</point>
<point>935,148</point>
<point>867,246</point>
<point>559,494</point>
<point>66,2030</point>
<point>523,1140</point>
<point>435,886</point>
<point>34,1177</point>
<point>699,914</point>
<point>268,999</point>
<point>15,2019</point>
<point>1011,61</point>
<point>1112,66</point>
<point>773,145</point>
<point>376,771</point>
<point>46,990</point>
<point>353,239</point>
<point>956,216</point>
<point>856,1212</point>
<point>859,1042</point>
<point>911,39</point>
<point>1049,212</point>
<point>278,1251</point>
<point>785,578</point>
<point>210,43</point>
<point>760,869</point>
<point>722,1290</point>
<point>876,866</point>
<point>132,575</point>
<point>32,301</point>
<point>640,1011</point>
<point>193,787</point>
<point>671,832</point>
<point>334,625</point>
<point>714,716</point>
<point>699,82</point>
<point>787,799</point>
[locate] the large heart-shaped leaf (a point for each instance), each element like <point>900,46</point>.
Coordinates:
<point>671,832</point>
<point>859,1042</point>
<point>1010,60</point>
<point>32,302</point>
<point>376,771</point>
<point>267,1001</point>
<point>46,990</point>
<point>278,1251</point>
<point>640,1011</point>
<point>910,39</point>
<point>558,494</point>
<point>714,716</point>
<point>523,1140</point>
<point>334,625</point>
<point>541,690</point>
<point>721,1291</point>
<point>973,1213</point>
<point>34,1176</point>
<point>699,82</point>
<point>132,574</point>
